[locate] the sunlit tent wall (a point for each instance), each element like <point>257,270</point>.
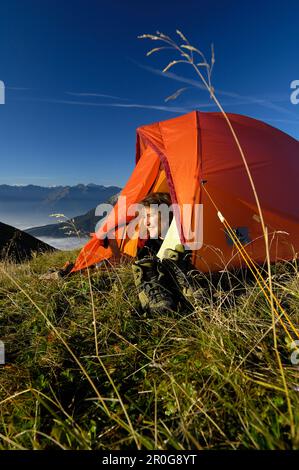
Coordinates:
<point>195,158</point>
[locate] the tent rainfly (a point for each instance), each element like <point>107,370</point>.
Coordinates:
<point>196,160</point>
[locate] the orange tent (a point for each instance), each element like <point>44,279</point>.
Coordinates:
<point>195,158</point>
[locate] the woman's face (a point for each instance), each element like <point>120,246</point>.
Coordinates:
<point>152,220</point>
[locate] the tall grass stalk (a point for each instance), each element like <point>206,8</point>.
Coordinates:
<point>203,70</point>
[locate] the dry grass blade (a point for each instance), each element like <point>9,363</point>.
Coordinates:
<point>176,94</point>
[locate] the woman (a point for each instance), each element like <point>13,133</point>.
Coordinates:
<point>161,283</point>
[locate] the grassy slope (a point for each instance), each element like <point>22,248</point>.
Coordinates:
<point>203,378</point>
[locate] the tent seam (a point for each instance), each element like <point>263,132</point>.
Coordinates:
<point>164,161</point>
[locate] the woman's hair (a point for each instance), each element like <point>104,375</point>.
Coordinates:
<point>156,198</point>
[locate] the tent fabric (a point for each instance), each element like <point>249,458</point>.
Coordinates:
<point>180,154</point>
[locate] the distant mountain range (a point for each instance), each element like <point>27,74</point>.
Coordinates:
<point>28,206</point>
<point>80,226</point>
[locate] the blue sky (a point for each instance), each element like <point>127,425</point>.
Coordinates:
<point>78,82</point>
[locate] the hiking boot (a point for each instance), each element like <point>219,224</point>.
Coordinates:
<point>178,264</point>
<point>150,282</point>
